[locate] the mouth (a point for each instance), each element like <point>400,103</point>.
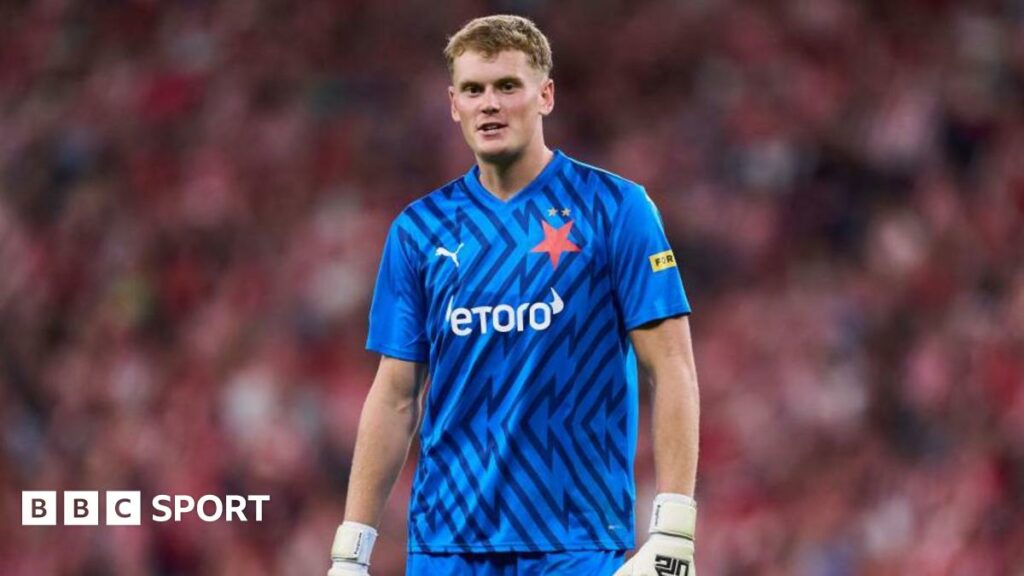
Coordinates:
<point>490,127</point>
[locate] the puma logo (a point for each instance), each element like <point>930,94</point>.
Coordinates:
<point>442,251</point>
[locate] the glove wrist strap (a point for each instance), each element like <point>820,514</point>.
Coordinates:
<point>353,542</point>
<point>675,515</point>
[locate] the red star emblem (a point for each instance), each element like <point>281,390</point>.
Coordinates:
<point>556,241</point>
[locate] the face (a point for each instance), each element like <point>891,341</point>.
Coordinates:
<point>499,101</point>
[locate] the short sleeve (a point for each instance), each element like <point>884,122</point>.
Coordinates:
<point>644,269</point>
<point>398,310</point>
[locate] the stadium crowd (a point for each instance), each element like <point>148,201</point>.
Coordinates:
<point>193,198</point>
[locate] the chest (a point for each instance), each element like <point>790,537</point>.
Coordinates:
<point>510,255</point>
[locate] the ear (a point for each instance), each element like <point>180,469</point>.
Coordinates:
<point>451,101</point>
<point>547,97</point>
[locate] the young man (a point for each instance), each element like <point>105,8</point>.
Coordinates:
<point>527,289</point>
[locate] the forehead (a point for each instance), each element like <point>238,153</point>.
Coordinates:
<point>476,66</point>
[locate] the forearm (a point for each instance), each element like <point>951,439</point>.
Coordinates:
<point>386,428</point>
<point>665,352</point>
<point>676,424</point>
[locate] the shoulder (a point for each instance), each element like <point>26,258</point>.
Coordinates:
<point>418,214</point>
<point>627,205</point>
<point>621,188</point>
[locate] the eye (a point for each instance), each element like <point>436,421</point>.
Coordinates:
<point>508,86</point>
<point>471,89</point>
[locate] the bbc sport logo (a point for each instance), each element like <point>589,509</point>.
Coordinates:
<point>124,508</point>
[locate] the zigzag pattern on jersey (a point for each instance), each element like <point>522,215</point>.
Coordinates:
<point>548,426</point>
<point>541,412</point>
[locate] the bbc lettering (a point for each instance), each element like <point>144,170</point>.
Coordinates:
<point>233,508</point>
<point>38,508</point>
<point>124,508</point>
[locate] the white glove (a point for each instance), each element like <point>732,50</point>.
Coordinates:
<point>669,549</point>
<point>350,553</point>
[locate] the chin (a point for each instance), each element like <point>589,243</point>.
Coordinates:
<point>498,154</point>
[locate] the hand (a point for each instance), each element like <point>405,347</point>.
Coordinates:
<point>350,553</point>
<point>662,555</point>
<point>669,549</point>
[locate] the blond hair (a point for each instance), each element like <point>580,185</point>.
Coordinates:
<point>491,35</point>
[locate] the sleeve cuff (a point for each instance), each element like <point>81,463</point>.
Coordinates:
<point>657,313</point>
<point>400,353</point>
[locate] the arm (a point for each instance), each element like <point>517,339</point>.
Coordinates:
<point>665,352</point>
<point>389,419</point>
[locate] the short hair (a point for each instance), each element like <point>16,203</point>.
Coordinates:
<point>491,35</point>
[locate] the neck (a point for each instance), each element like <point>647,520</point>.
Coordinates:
<point>505,178</point>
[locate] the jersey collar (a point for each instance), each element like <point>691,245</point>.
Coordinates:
<point>472,180</point>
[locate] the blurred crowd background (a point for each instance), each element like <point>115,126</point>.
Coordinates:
<point>194,195</point>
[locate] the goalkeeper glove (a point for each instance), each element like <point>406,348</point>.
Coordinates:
<point>669,549</point>
<point>350,553</point>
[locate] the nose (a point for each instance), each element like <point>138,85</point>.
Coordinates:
<point>491,103</point>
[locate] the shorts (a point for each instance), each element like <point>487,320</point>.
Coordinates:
<point>581,562</point>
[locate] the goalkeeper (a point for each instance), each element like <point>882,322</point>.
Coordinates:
<point>528,290</point>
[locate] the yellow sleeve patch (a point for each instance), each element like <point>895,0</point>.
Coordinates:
<point>663,261</point>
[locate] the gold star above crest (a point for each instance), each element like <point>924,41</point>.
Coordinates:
<point>552,212</point>
<point>565,212</point>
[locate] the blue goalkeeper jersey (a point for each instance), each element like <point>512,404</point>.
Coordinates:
<point>521,309</point>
